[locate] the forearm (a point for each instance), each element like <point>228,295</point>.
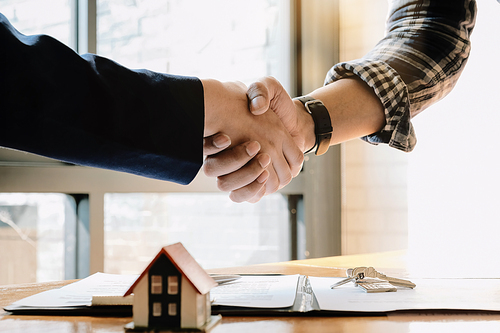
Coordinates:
<point>91,111</point>
<point>355,111</point>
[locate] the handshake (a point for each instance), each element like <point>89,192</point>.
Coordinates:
<point>255,138</point>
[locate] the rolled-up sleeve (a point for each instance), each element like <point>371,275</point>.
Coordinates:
<point>418,62</point>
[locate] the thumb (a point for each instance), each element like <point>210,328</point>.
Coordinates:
<point>258,98</point>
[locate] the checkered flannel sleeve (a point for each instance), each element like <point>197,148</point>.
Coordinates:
<point>416,64</point>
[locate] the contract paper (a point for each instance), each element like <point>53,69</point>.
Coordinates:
<point>429,294</point>
<point>79,293</point>
<point>269,291</point>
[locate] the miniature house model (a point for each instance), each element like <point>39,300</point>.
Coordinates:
<point>172,292</point>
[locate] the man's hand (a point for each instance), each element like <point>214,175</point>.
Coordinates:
<point>226,111</point>
<point>354,108</point>
<point>239,170</point>
<point>231,167</point>
<point>268,94</point>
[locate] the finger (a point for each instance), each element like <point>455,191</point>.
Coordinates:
<point>253,192</point>
<point>260,194</point>
<point>294,157</point>
<point>245,175</point>
<point>258,96</point>
<point>215,143</point>
<point>230,160</point>
<point>273,183</point>
<point>282,170</point>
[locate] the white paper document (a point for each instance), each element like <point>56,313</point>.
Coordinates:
<point>450,294</point>
<point>286,293</point>
<point>268,291</point>
<point>79,293</point>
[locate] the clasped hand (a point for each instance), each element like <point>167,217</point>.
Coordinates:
<point>252,152</point>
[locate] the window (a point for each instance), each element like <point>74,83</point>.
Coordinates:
<point>223,39</point>
<point>172,309</point>
<point>156,284</point>
<point>173,285</point>
<point>374,204</point>
<point>256,39</point>
<point>453,173</point>
<point>216,231</point>
<point>34,17</point>
<point>32,228</point>
<point>157,309</point>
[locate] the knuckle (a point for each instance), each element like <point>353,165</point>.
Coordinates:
<point>257,88</point>
<point>286,179</point>
<point>208,170</point>
<point>271,187</point>
<point>223,185</point>
<point>273,79</point>
<point>238,154</point>
<point>250,192</point>
<point>296,171</point>
<point>299,158</point>
<point>256,198</point>
<point>259,195</point>
<point>269,79</point>
<point>234,196</point>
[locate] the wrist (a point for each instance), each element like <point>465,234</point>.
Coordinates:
<point>210,89</point>
<point>221,100</point>
<point>322,123</point>
<point>305,125</point>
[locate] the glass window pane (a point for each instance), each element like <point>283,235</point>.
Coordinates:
<point>32,229</point>
<point>216,231</point>
<point>172,309</point>
<point>223,39</point>
<point>33,17</point>
<point>173,285</point>
<point>157,309</point>
<point>156,284</point>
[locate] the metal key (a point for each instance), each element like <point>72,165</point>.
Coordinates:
<point>350,277</point>
<point>373,273</point>
<point>375,286</point>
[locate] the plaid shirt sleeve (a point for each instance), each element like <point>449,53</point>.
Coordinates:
<point>416,64</point>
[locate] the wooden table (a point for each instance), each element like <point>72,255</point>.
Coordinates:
<point>393,262</point>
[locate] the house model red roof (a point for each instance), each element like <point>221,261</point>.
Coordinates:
<point>186,264</point>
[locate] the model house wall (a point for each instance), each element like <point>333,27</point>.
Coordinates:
<point>141,300</point>
<point>172,292</point>
<point>193,314</point>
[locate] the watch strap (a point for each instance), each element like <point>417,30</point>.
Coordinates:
<point>322,123</point>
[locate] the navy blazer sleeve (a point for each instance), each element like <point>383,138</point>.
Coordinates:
<point>91,111</point>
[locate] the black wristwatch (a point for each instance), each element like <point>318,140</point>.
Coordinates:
<point>322,123</point>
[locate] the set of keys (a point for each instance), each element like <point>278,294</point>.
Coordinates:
<point>371,281</point>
